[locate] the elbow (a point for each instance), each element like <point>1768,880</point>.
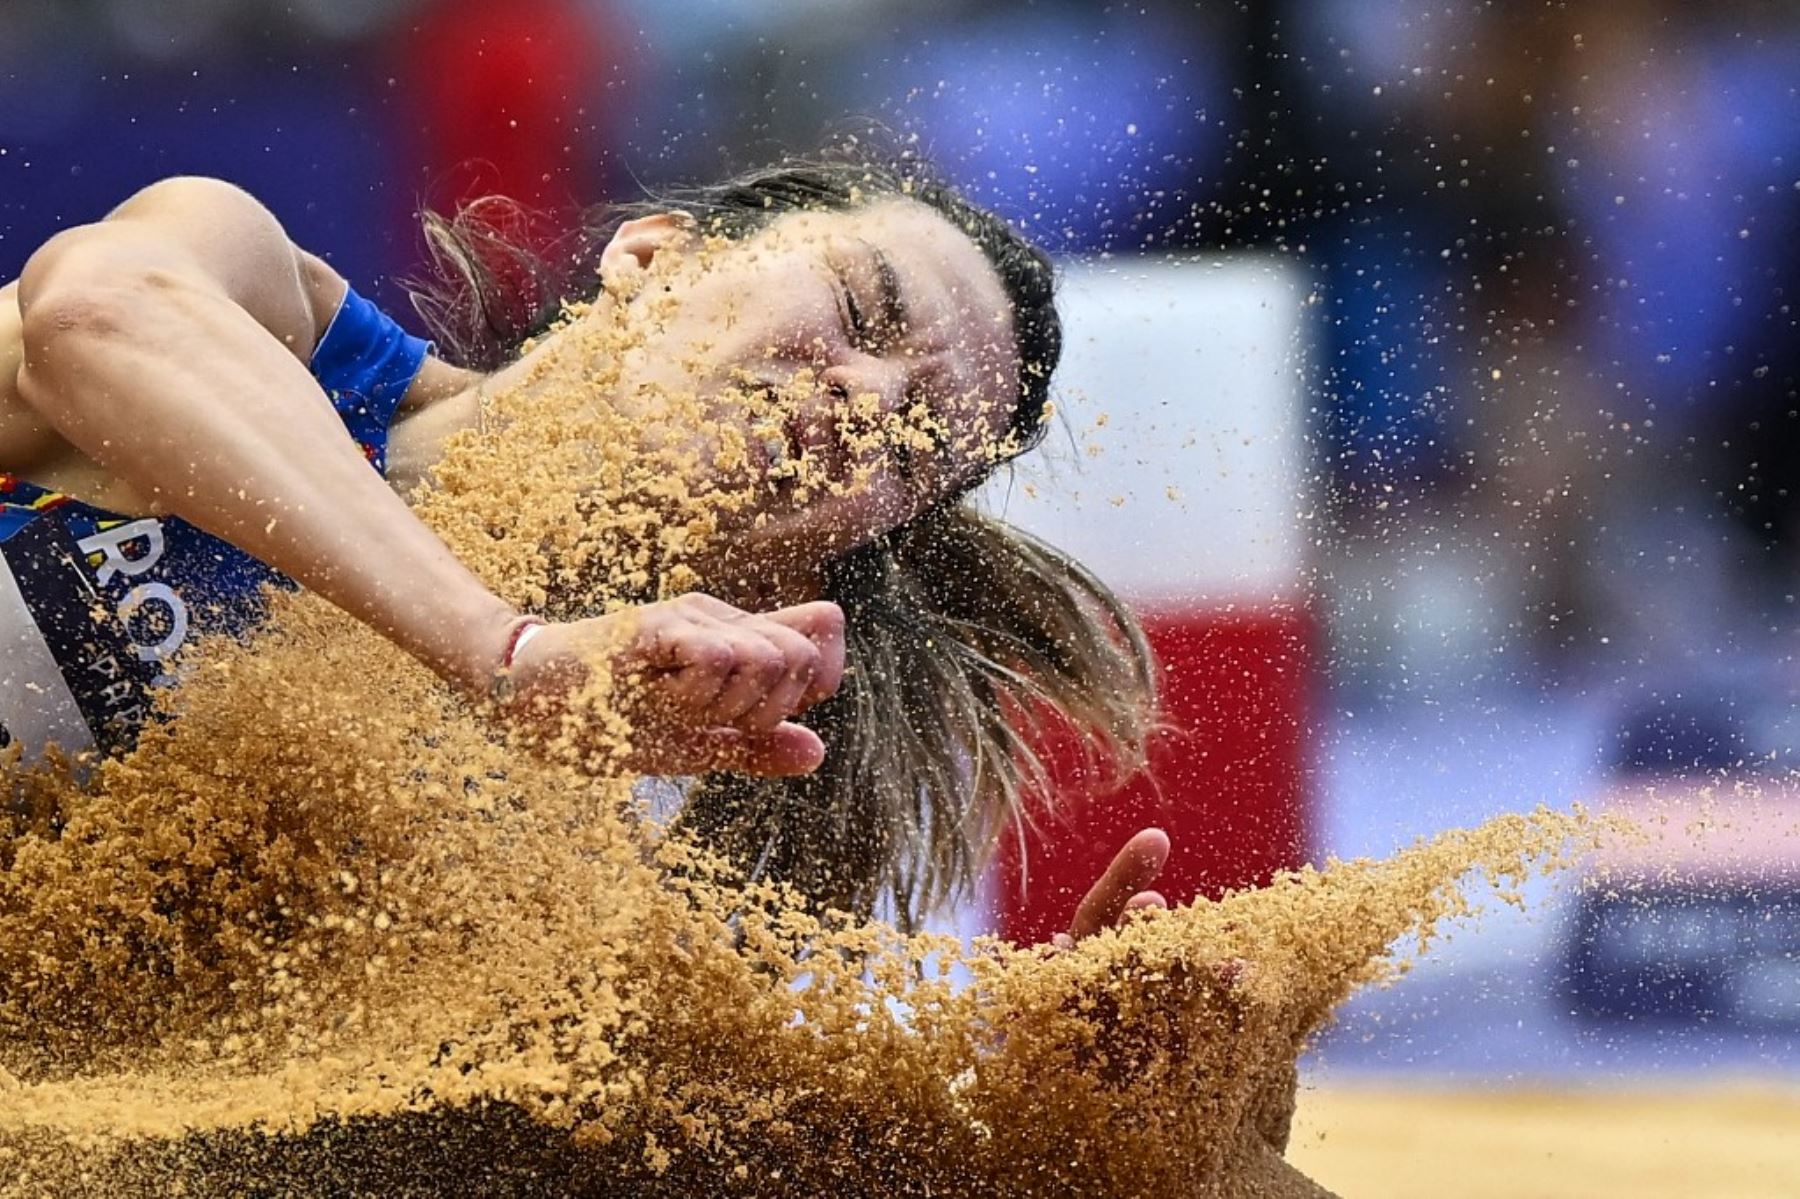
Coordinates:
<point>60,331</point>
<point>81,291</point>
<point>49,322</point>
<point>90,280</point>
<point>67,329</point>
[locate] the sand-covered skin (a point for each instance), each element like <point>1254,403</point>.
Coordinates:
<point>328,932</point>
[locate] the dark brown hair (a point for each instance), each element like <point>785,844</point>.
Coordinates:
<point>502,279</point>
<point>966,634</point>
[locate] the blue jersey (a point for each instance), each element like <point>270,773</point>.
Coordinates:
<point>94,606</point>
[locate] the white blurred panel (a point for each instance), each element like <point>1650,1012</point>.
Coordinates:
<point>1181,384</point>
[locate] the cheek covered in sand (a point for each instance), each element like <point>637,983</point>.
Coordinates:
<point>326,932</point>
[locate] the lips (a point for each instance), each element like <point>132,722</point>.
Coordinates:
<point>819,442</point>
<point>784,438</point>
<point>798,432</point>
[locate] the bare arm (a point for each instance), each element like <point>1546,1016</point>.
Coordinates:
<point>168,343</point>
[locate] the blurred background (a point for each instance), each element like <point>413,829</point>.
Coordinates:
<point>1432,390</point>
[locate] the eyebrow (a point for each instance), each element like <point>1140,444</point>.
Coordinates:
<point>893,307</point>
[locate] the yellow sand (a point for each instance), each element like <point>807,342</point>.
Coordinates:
<point>1663,1141</point>
<point>327,933</point>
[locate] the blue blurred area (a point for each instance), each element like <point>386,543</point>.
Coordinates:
<point>1389,370</point>
<point>315,140</point>
<point>1097,128</point>
<point>1091,127</point>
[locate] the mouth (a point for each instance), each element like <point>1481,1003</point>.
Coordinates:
<point>821,455</point>
<point>796,440</point>
<point>792,450</point>
<point>779,449</point>
<point>767,437</point>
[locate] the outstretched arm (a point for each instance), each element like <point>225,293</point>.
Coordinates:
<point>168,344</point>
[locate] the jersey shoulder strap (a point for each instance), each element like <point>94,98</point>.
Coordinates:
<point>365,362</point>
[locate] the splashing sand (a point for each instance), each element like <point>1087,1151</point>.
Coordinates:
<point>326,933</point>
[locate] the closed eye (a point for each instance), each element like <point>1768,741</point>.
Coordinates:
<point>856,322</point>
<point>875,328</point>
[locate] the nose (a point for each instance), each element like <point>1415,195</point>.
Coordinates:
<point>842,408</point>
<point>847,381</point>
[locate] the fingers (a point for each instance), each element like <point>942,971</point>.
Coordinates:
<point>1143,899</point>
<point>787,750</point>
<point>688,662</point>
<point>718,666</point>
<point>767,670</point>
<point>822,624</point>
<point>1124,884</point>
<point>784,662</point>
<point>704,685</point>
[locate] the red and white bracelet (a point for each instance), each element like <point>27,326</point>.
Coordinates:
<point>523,630</point>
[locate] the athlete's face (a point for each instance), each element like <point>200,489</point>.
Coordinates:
<point>853,368</point>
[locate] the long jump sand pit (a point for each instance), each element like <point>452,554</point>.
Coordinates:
<point>1659,1141</point>
<point>244,961</point>
<point>613,1029</point>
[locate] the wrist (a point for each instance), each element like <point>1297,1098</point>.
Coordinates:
<point>470,643</point>
<point>500,683</point>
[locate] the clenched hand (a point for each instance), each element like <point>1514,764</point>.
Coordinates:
<point>702,685</point>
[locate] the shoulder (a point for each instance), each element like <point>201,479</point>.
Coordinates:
<point>217,228</point>
<point>322,291</point>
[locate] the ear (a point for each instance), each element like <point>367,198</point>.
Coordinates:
<point>641,239</point>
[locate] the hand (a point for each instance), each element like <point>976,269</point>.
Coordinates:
<point>1127,1039</point>
<point>701,685</point>
<point>1122,888</point>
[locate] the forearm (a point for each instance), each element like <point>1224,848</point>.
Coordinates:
<point>173,387</point>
